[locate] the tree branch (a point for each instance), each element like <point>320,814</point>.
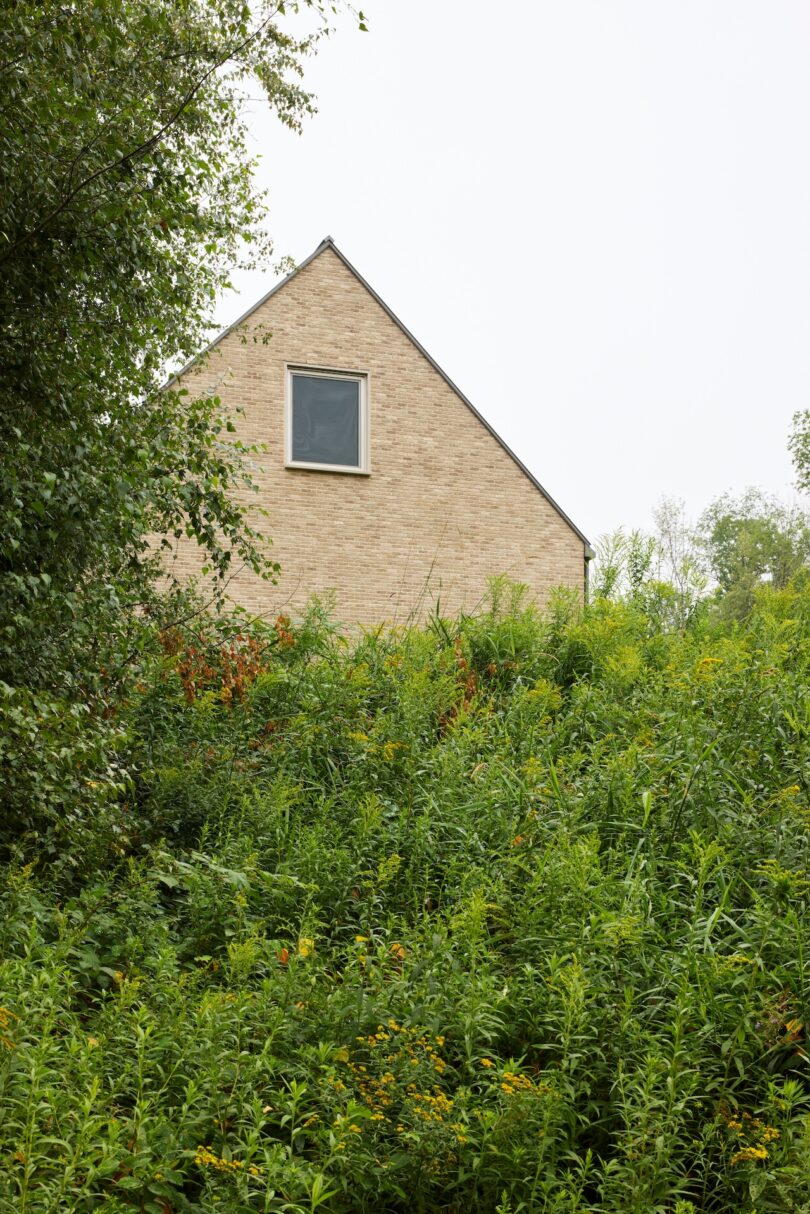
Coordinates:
<point>142,148</point>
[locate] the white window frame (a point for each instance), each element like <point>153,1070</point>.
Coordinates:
<point>364,444</point>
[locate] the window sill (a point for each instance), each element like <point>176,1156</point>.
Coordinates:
<point>340,468</point>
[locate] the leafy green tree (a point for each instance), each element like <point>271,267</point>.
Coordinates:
<point>799,447</point>
<point>663,574</point>
<point>680,562</point>
<point>751,540</point>
<point>623,564</point>
<point>126,200</point>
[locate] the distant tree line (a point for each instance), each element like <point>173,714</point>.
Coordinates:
<point>739,543</point>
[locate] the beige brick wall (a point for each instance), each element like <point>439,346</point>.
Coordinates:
<point>445,507</point>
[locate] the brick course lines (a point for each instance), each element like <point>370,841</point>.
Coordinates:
<point>445,506</point>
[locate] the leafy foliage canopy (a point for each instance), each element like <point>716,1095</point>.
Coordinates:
<point>127,198</point>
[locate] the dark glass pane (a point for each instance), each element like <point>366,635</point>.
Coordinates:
<point>325,421</point>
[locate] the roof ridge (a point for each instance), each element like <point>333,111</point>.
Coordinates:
<point>329,243</point>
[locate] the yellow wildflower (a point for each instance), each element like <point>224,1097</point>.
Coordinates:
<point>205,1157</point>
<point>749,1154</point>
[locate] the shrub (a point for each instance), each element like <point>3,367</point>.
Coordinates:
<point>507,913</point>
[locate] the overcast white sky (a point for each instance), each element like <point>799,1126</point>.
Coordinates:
<point>595,214</point>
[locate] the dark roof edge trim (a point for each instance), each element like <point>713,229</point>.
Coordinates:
<point>328,243</point>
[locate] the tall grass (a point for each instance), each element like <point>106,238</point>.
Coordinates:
<point>503,914</point>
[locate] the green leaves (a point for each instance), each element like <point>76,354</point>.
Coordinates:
<point>547,953</point>
<point>126,200</point>
<point>799,447</point>
<point>751,541</point>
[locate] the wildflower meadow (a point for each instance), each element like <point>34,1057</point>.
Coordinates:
<point>503,913</point>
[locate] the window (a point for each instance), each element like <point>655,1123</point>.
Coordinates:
<point>327,421</point>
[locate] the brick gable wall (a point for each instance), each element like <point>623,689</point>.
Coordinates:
<point>445,506</point>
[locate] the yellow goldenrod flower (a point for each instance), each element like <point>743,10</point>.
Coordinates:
<point>749,1154</point>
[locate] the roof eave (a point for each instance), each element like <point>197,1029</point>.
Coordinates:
<point>329,243</point>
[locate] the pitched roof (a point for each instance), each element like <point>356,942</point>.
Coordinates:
<point>328,243</point>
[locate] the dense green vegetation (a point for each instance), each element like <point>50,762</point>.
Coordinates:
<point>507,913</point>
<point>126,201</point>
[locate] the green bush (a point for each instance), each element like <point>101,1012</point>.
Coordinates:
<point>508,914</point>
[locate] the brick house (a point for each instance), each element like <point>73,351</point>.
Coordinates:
<point>385,487</point>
